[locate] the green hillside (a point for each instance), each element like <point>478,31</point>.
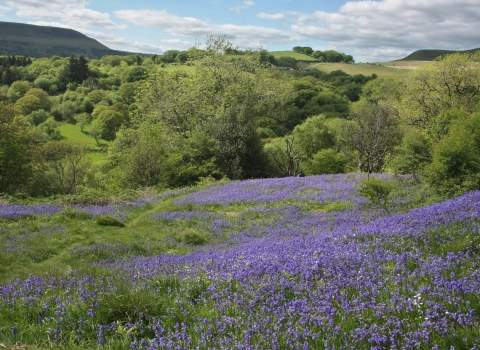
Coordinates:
<point>354,69</point>
<point>430,55</point>
<point>296,55</point>
<point>39,41</point>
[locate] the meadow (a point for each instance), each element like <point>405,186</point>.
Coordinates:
<point>379,69</point>
<point>286,263</point>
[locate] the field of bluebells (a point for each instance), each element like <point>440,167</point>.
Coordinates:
<point>291,263</point>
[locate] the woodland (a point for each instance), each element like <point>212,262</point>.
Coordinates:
<point>202,115</point>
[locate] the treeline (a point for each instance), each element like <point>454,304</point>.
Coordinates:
<point>330,56</point>
<point>165,122</point>
<point>9,61</point>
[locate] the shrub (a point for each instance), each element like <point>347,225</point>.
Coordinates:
<point>76,214</point>
<point>109,220</point>
<point>378,192</point>
<point>190,236</point>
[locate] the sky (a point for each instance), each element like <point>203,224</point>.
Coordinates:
<point>370,31</point>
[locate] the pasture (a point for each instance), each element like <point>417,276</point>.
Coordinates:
<point>358,68</point>
<point>73,133</point>
<point>298,56</point>
<point>288,263</point>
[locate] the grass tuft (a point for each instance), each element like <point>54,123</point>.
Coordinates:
<point>109,220</point>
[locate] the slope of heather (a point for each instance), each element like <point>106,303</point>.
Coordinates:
<point>278,263</point>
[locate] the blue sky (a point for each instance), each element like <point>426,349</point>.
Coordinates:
<point>370,31</point>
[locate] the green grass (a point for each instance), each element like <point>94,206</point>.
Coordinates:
<point>296,55</point>
<point>72,132</point>
<point>404,64</point>
<point>354,69</point>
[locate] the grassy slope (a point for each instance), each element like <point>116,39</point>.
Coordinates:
<point>430,55</point>
<point>353,69</point>
<point>296,55</point>
<point>73,132</point>
<point>42,41</point>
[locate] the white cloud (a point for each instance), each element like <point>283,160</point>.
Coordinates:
<point>243,36</point>
<point>178,43</point>
<point>4,9</point>
<point>73,13</point>
<point>391,27</point>
<point>46,3</point>
<point>245,5</point>
<point>270,16</point>
<point>113,41</point>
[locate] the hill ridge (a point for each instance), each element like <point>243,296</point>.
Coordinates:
<point>36,41</point>
<point>431,54</point>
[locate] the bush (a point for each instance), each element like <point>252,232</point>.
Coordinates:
<point>327,161</point>
<point>109,220</point>
<point>76,214</point>
<point>378,192</point>
<point>190,236</point>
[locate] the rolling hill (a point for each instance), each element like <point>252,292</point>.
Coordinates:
<point>430,55</point>
<point>40,41</point>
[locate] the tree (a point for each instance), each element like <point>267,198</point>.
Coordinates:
<point>43,83</point>
<point>38,117</point>
<point>96,96</point>
<point>284,155</point>
<point>69,163</point>
<point>142,163</point>
<point>221,97</point>
<point>286,61</point>
<point>455,166</point>
<point>126,91</point>
<point>313,136</point>
<point>371,135</point>
<point>27,104</point>
<point>78,69</point>
<point>450,82</point>
<point>42,96</point>
<point>107,122</point>
<point>67,110</point>
<point>18,89</point>
<point>133,74</point>
<point>326,161</point>
<point>17,151</point>
<point>413,154</point>
<point>319,55</point>
<point>332,56</point>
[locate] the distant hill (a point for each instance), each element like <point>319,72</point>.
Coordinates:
<point>39,41</point>
<point>430,55</point>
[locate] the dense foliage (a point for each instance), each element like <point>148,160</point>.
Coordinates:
<point>186,117</point>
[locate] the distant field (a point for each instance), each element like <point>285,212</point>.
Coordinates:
<point>404,64</point>
<point>73,132</point>
<point>353,69</point>
<point>296,55</point>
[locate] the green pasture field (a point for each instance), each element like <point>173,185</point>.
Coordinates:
<point>296,55</point>
<point>404,64</point>
<point>353,69</point>
<point>73,132</point>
